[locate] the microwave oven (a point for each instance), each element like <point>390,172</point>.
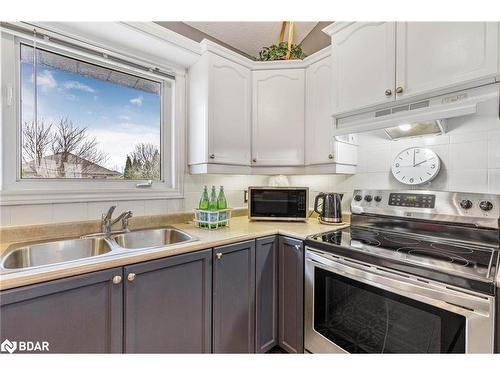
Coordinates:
<point>278,203</point>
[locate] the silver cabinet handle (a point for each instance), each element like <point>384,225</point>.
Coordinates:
<point>298,247</point>
<point>330,156</point>
<point>399,90</point>
<point>218,255</point>
<point>131,277</point>
<point>388,92</point>
<point>117,279</point>
<point>212,156</point>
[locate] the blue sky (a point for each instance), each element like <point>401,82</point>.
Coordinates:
<point>117,116</point>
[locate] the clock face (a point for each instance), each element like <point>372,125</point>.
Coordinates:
<point>415,166</point>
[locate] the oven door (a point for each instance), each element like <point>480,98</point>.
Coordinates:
<point>351,307</point>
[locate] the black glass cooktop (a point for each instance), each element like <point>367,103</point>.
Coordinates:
<point>460,264</point>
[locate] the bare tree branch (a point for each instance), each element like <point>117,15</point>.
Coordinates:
<point>36,141</point>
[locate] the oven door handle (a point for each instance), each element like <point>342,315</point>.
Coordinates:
<point>456,301</point>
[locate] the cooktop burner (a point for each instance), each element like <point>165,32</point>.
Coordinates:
<point>442,260</point>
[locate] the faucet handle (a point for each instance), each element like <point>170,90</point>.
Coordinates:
<point>109,213</point>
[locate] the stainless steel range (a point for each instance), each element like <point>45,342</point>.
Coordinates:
<point>415,273</point>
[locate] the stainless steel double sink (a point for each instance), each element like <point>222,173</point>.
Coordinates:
<point>91,246</point>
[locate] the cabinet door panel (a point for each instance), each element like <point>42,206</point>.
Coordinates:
<point>363,65</point>
<point>266,303</point>
<point>168,305</point>
<point>319,121</point>
<point>291,295</point>
<point>234,298</point>
<point>438,55</point>
<point>80,314</point>
<point>278,117</point>
<point>229,107</point>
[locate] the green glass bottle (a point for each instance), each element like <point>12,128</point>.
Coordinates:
<point>203,205</point>
<point>222,205</point>
<point>212,206</point>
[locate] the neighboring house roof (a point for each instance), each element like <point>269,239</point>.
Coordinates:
<point>73,167</point>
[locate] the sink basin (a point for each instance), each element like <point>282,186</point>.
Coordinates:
<point>43,254</point>
<point>149,238</point>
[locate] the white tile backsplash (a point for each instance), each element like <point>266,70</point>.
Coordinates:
<point>468,180</point>
<point>31,214</point>
<point>494,181</point>
<point>64,212</point>
<point>469,155</point>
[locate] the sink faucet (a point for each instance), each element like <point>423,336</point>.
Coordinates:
<point>107,222</point>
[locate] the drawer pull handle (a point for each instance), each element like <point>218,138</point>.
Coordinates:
<point>117,279</point>
<point>131,277</point>
<point>218,255</point>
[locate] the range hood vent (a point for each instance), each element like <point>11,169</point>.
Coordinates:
<point>423,112</point>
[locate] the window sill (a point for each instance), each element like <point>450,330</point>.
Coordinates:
<point>8,198</point>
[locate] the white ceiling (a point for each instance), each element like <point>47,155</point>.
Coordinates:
<point>250,37</point>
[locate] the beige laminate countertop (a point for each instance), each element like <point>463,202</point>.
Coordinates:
<point>240,230</point>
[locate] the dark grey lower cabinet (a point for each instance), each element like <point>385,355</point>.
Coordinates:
<point>291,295</point>
<point>234,298</point>
<point>266,301</point>
<point>168,305</point>
<point>80,314</point>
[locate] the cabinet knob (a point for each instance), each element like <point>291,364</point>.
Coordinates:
<point>399,90</point>
<point>117,279</point>
<point>212,156</point>
<point>297,247</point>
<point>330,156</point>
<point>131,276</point>
<point>254,160</point>
<point>388,92</point>
<point>218,255</point>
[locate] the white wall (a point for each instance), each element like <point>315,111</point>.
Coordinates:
<point>469,153</point>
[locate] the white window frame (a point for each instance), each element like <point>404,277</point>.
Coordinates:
<point>15,190</point>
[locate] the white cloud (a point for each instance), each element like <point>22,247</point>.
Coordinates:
<point>137,101</point>
<point>124,118</point>
<point>46,80</point>
<point>120,141</point>
<point>75,85</point>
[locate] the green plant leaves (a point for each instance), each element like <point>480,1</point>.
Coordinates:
<point>278,52</point>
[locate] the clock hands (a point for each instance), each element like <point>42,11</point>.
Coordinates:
<point>422,162</point>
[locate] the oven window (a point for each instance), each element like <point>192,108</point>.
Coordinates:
<point>363,319</point>
<point>278,203</point>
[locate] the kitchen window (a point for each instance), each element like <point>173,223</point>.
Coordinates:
<point>85,121</point>
<point>87,126</point>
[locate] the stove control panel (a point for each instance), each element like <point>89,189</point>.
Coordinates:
<point>481,210</point>
<point>412,200</point>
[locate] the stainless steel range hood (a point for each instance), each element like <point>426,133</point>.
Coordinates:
<point>421,117</point>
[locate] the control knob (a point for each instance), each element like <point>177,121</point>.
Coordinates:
<point>378,198</point>
<point>465,204</point>
<point>486,205</point>
<point>368,198</point>
<point>357,198</point>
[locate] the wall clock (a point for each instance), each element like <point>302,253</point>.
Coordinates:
<point>416,165</point>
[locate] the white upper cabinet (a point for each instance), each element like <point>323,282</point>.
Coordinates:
<point>433,56</point>
<point>374,63</point>
<point>278,117</point>
<point>319,122</point>
<point>321,146</point>
<point>219,112</point>
<point>363,64</point>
